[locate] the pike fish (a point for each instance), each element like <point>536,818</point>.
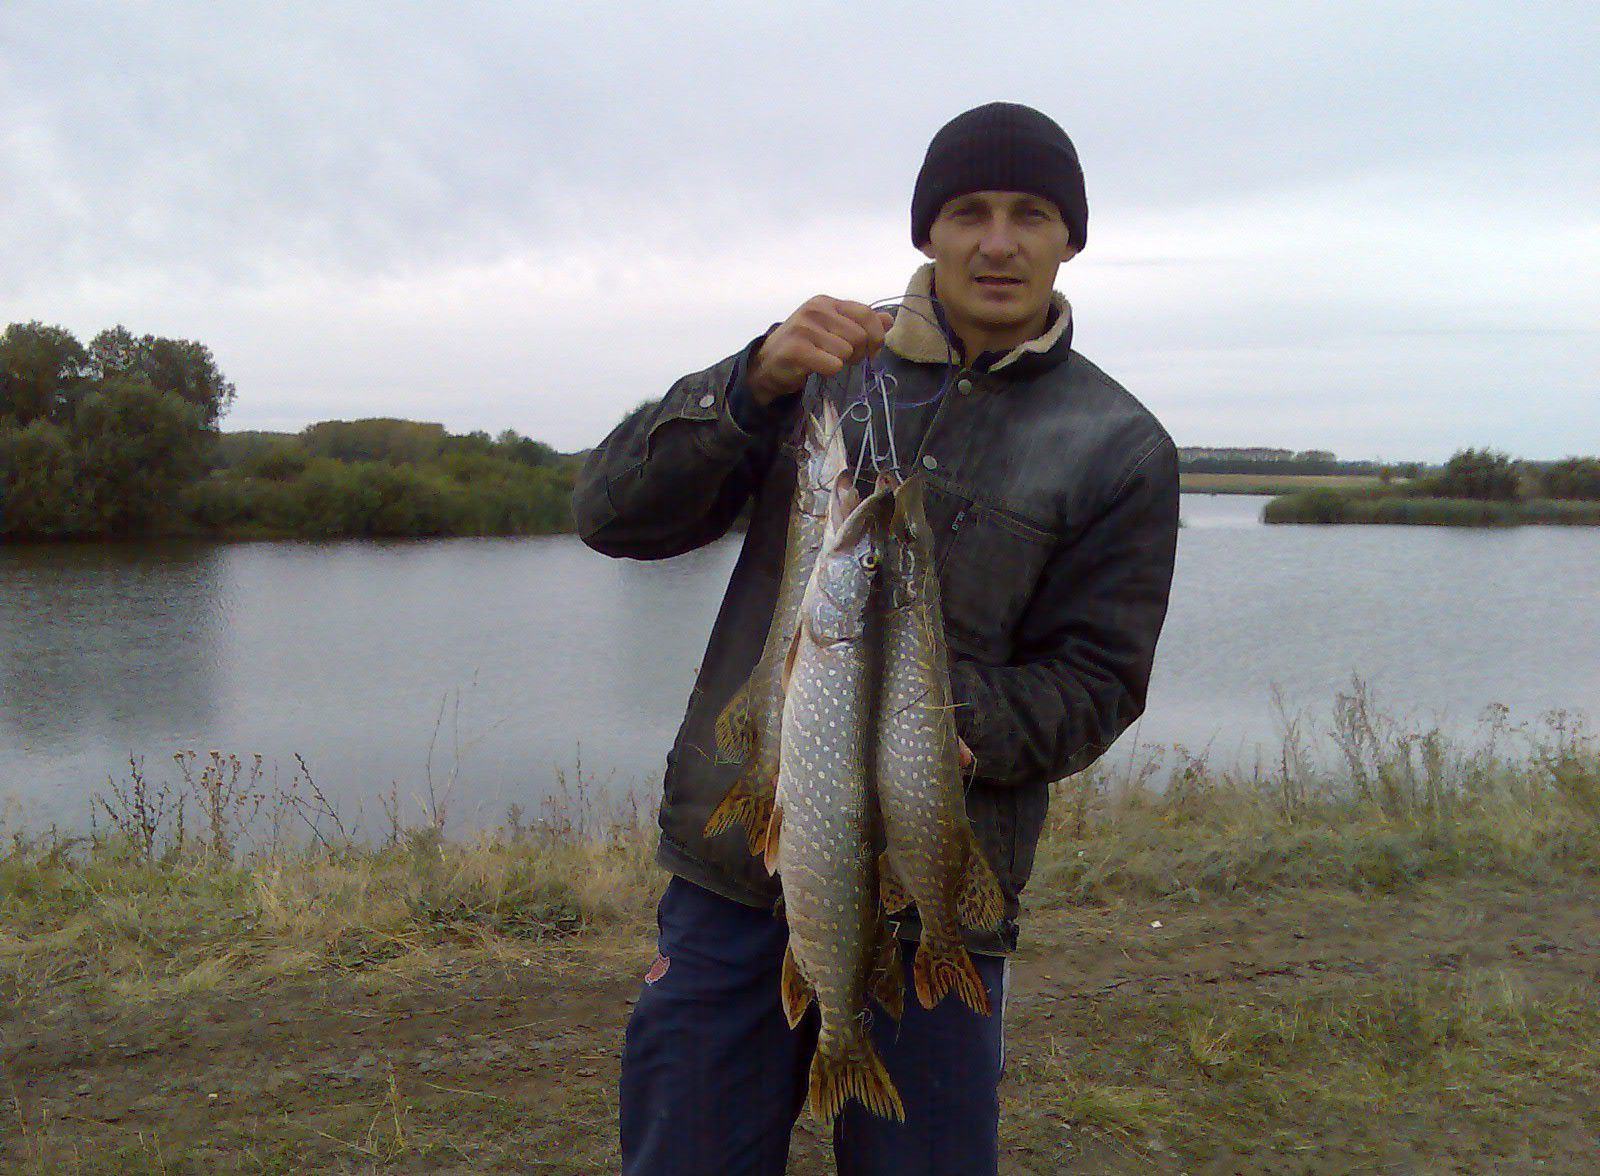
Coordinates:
<point>824,820</point>
<point>931,858</point>
<point>748,728</point>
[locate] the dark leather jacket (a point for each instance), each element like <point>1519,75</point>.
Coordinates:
<point>1053,495</point>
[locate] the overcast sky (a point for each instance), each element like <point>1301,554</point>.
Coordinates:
<point>1373,228</point>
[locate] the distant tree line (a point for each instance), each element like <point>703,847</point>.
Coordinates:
<point>1309,461</point>
<point>1483,474</point>
<point>119,438</point>
<point>1491,476</point>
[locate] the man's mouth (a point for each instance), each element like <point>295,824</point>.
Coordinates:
<point>998,281</point>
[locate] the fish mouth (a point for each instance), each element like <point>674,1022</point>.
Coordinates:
<point>849,515</point>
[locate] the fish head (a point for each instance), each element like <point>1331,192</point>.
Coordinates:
<point>847,565</point>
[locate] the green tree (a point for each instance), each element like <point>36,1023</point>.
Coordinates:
<point>1479,473</point>
<point>526,449</point>
<point>38,496</point>
<point>40,369</point>
<point>137,445</point>
<point>180,366</point>
<point>1575,477</point>
<point>375,439</point>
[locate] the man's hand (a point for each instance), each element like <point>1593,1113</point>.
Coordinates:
<point>963,754</point>
<point>823,337</point>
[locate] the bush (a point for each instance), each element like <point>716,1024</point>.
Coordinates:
<point>1478,473</point>
<point>1574,478</point>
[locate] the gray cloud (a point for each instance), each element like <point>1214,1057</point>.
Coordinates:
<point>452,211</point>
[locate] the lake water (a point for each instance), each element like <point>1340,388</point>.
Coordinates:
<point>492,664</point>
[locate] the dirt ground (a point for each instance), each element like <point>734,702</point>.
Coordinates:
<point>471,1066</point>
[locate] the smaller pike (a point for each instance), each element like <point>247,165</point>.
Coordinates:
<point>748,728</point>
<point>932,858</point>
<point>824,820</point>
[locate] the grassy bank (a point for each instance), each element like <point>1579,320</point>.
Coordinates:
<point>170,893</point>
<point>1334,506</point>
<point>1194,483</point>
<point>1331,969</point>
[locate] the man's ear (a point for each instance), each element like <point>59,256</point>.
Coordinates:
<point>1068,252</point>
<point>926,249</point>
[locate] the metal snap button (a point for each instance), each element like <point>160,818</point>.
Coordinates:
<point>929,462</point>
<point>963,386</point>
<point>708,400</point>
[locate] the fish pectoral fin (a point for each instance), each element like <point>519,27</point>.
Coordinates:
<point>794,652</point>
<point>769,848</point>
<point>979,903</point>
<point>736,726</point>
<point>748,804</point>
<point>887,980</point>
<point>939,967</point>
<point>891,891</point>
<point>856,1073</point>
<point>796,989</point>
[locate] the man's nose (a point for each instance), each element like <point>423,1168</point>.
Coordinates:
<point>998,239</point>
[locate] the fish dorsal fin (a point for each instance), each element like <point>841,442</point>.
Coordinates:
<point>736,728</point>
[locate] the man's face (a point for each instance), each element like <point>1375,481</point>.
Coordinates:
<point>995,256</point>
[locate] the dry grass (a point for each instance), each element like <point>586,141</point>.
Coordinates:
<point>1273,483</point>
<point>1474,1044</point>
<point>150,908</point>
<point>1404,804</point>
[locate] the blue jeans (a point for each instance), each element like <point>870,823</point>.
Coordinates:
<point>713,1078</point>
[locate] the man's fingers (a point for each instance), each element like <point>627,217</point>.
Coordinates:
<point>963,753</point>
<point>873,324</point>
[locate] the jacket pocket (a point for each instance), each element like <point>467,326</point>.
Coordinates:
<point>990,561</point>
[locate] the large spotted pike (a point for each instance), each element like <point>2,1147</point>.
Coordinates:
<point>931,857</point>
<point>824,821</point>
<point>747,730</point>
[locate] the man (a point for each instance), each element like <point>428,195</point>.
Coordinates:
<point>1053,495</point>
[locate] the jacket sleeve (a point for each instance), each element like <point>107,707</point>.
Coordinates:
<point>1085,642</point>
<point>674,474</point>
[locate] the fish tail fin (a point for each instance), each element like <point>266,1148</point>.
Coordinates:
<point>887,980</point>
<point>736,727</point>
<point>857,1073</point>
<point>748,804</point>
<point>980,904</point>
<point>939,967</point>
<point>795,988</point>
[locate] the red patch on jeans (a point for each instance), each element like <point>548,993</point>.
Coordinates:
<point>657,969</point>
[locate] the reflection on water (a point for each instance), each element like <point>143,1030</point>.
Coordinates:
<point>93,637</point>
<point>488,665</point>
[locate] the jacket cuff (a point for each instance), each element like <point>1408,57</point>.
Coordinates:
<point>705,399</point>
<point>755,418</point>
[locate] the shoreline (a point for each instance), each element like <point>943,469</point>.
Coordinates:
<point>1215,968</point>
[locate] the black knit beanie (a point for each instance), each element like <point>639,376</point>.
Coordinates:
<point>1001,147</point>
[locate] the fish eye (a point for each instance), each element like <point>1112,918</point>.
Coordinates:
<point>869,561</point>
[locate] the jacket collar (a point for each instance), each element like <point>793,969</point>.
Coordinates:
<point>915,338</point>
